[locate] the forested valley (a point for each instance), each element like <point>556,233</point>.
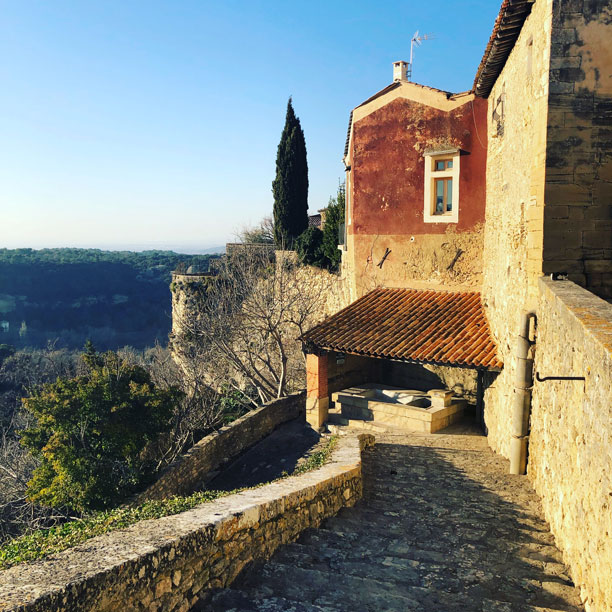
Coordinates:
<point>67,296</point>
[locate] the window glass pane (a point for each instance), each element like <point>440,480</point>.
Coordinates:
<point>439,165</point>
<point>449,164</point>
<point>439,196</point>
<point>449,195</point>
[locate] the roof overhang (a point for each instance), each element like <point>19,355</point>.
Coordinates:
<point>414,326</point>
<point>506,30</point>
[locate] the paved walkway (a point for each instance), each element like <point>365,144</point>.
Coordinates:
<point>442,527</point>
<point>282,451</point>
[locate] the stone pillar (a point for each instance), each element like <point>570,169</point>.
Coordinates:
<point>317,394</point>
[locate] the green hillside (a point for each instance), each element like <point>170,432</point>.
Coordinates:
<point>114,298</point>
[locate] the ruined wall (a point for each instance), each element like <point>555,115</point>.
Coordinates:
<point>386,191</point>
<point>334,290</point>
<point>578,213</point>
<point>516,170</point>
<point>191,471</point>
<point>166,564</point>
<point>570,445</point>
<point>187,290</point>
<point>321,294</point>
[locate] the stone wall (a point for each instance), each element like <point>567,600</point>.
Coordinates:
<point>516,167</point>
<point>193,469</point>
<point>335,290</point>
<point>570,445</point>
<point>549,174</point>
<point>578,213</point>
<point>166,564</point>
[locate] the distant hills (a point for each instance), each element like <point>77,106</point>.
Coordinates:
<point>114,298</point>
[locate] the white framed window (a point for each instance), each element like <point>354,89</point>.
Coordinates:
<point>441,203</point>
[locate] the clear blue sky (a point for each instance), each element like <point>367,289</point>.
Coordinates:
<point>147,124</point>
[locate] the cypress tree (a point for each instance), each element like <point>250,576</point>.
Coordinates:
<point>290,187</point>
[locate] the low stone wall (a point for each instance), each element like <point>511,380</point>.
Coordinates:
<point>168,563</point>
<point>190,471</point>
<point>570,446</point>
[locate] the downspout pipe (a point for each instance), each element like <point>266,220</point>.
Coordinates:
<point>521,400</point>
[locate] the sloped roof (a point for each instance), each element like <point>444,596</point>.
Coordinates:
<point>506,30</point>
<point>418,326</point>
<point>314,221</point>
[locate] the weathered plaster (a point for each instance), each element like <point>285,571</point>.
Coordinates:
<point>385,191</point>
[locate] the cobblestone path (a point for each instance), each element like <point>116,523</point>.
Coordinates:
<point>442,526</point>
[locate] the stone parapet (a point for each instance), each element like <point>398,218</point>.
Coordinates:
<point>570,457</point>
<point>169,563</point>
<point>190,471</point>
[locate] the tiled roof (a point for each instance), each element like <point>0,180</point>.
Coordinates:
<point>506,30</point>
<point>314,221</point>
<point>422,326</point>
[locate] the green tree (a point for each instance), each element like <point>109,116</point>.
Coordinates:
<point>309,247</point>
<point>320,248</point>
<point>290,187</point>
<point>334,218</point>
<point>90,432</point>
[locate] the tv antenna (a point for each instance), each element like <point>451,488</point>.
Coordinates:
<point>416,40</point>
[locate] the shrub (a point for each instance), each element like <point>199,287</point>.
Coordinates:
<point>334,218</point>
<point>89,433</point>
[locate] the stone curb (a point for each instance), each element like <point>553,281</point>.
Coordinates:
<point>167,563</point>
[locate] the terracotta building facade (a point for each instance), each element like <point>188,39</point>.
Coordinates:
<point>416,163</point>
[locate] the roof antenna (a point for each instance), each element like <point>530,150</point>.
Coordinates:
<point>416,40</point>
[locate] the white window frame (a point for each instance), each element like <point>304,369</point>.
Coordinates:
<point>431,174</point>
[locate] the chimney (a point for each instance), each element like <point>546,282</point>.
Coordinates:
<point>400,72</point>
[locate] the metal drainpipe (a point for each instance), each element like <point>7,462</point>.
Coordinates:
<point>521,402</point>
<point>480,398</point>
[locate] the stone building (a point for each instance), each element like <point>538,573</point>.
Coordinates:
<point>482,198</point>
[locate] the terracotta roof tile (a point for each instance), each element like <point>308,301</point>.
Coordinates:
<point>442,327</point>
<point>512,15</point>
<point>314,221</point>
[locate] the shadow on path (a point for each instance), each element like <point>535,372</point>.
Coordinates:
<point>277,453</point>
<point>442,526</point>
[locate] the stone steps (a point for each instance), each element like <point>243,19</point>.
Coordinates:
<point>336,589</point>
<point>324,543</point>
<point>442,527</point>
<point>230,600</point>
<point>436,572</point>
